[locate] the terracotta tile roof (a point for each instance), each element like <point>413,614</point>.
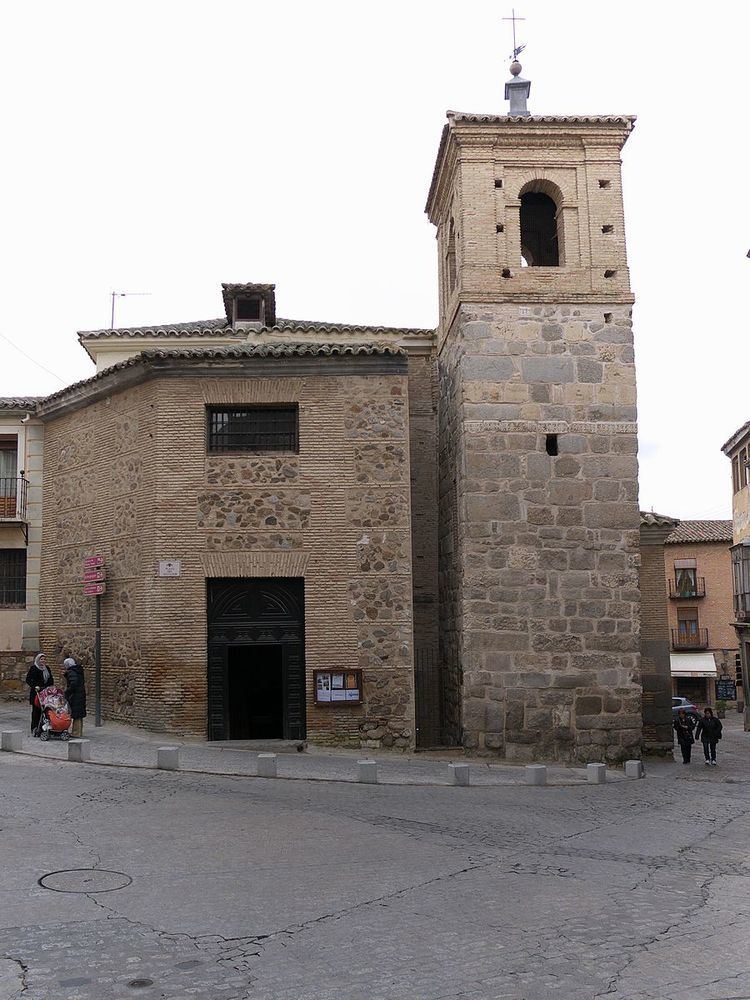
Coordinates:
<point>735,439</point>
<point>701,531</point>
<point>220,328</point>
<point>649,519</point>
<point>19,402</point>
<point>461,116</point>
<point>233,351</point>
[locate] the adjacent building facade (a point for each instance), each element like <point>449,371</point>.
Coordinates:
<point>378,536</point>
<point>737,450</point>
<point>21,442</point>
<point>698,569</point>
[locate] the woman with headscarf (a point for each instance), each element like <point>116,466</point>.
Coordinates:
<point>75,692</point>
<point>38,677</point>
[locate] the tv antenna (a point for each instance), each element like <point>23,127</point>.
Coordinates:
<point>121,295</point>
<point>517,49</point>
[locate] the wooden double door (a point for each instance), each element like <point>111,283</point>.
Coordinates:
<point>256,659</point>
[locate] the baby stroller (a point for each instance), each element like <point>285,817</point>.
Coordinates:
<point>55,719</point>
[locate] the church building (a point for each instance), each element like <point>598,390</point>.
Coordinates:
<point>372,536</point>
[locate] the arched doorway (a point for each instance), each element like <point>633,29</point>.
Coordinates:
<point>256,663</point>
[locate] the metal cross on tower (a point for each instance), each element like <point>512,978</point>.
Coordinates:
<point>517,49</point>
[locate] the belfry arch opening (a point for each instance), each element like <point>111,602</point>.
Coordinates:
<point>540,244</point>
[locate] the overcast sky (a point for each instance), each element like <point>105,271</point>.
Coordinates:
<point>166,146</point>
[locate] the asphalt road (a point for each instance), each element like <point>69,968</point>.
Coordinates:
<point>239,888</point>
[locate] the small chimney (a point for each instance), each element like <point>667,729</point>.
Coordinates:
<point>517,91</point>
<point>249,306</point>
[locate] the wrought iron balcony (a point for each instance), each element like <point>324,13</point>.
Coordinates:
<point>13,492</point>
<point>686,590</point>
<point>692,639</point>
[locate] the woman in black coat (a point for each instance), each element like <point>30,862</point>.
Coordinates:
<point>75,692</point>
<point>38,677</point>
<point>683,725</point>
<point>709,733</point>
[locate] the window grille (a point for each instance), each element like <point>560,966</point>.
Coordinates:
<point>13,578</point>
<point>253,429</point>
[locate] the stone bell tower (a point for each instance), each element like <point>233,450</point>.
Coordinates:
<point>539,520</point>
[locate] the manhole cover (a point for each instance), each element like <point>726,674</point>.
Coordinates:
<point>85,880</point>
<point>139,984</point>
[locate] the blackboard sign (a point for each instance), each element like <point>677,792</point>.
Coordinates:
<point>726,690</point>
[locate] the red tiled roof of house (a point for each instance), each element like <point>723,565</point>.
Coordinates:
<point>701,531</point>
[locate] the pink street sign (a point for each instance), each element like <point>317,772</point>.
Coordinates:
<point>93,561</point>
<point>94,589</point>
<point>94,576</point>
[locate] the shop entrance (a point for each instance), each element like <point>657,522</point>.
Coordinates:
<point>256,663</point>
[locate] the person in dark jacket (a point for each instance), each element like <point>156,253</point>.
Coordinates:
<point>683,725</point>
<point>709,733</point>
<point>75,692</point>
<point>38,677</point>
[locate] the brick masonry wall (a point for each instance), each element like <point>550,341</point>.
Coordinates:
<point>548,547</point>
<point>423,446</point>
<point>655,662</point>
<point>715,610</point>
<point>129,477</point>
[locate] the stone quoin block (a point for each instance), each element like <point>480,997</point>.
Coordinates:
<point>367,772</point>
<point>536,774</point>
<point>459,774</point>
<point>634,769</point>
<point>168,758</point>
<point>12,740</point>
<point>596,774</point>
<point>79,751</point>
<point>266,765</point>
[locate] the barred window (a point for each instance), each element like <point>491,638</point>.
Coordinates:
<point>253,429</point>
<point>13,578</point>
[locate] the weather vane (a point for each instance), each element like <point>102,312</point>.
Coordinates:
<point>517,49</point>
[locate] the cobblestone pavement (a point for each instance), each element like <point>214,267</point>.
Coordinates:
<point>302,890</point>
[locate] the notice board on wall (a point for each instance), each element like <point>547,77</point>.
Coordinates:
<point>338,687</point>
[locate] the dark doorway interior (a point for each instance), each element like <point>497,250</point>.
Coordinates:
<point>256,692</point>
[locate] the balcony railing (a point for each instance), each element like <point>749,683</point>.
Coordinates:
<point>13,494</point>
<point>692,639</point>
<point>685,591</point>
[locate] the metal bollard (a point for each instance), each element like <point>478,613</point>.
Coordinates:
<point>536,774</point>
<point>596,774</point>
<point>168,758</point>
<point>79,751</point>
<point>12,740</point>
<point>634,769</point>
<point>459,773</point>
<point>367,772</point>
<point>266,765</point>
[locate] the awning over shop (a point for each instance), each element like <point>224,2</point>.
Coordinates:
<point>693,664</point>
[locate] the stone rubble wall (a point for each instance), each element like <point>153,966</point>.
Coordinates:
<point>14,665</point>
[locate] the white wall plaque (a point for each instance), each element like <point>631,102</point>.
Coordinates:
<point>170,567</point>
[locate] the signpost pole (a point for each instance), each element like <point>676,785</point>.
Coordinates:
<point>98,660</point>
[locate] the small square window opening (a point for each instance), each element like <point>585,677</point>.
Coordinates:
<point>551,444</point>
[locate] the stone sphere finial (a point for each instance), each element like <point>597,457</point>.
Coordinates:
<point>515,67</point>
